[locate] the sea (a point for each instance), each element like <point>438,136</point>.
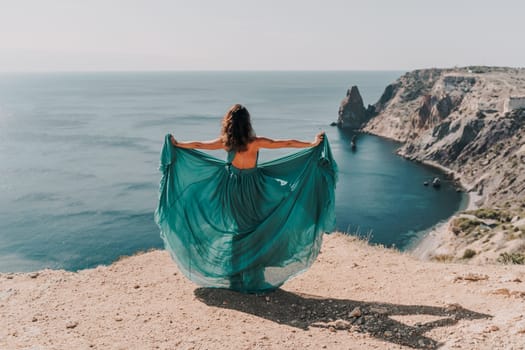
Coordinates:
<point>79,156</point>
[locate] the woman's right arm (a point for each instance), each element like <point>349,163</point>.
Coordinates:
<point>264,142</point>
<point>211,145</point>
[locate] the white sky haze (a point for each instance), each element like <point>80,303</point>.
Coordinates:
<point>96,35</point>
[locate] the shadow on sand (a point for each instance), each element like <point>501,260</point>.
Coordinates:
<point>304,311</point>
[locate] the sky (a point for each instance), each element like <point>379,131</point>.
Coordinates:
<point>158,35</point>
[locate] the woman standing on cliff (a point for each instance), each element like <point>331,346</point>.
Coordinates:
<point>241,225</point>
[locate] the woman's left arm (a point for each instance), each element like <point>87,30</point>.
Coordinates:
<point>264,142</point>
<point>211,145</point>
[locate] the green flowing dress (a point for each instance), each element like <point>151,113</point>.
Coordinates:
<point>248,230</point>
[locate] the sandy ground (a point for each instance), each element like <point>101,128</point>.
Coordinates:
<point>354,297</point>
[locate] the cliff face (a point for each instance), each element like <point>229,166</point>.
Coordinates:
<point>459,118</point>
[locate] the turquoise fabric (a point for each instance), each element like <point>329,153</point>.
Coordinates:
<point>249,230</point>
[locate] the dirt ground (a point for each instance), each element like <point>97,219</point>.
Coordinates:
<point>354,297</point>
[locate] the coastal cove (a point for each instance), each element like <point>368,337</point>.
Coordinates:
<point>79,156</point>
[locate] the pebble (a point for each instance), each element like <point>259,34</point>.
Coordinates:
<point>71,324</point>
<point>502,291</point>
<point>490,329</point>
<point>34,319</point>
<point>118,318</point>
<point>354,329</point>
<point>452,307</point>
<point>472,277</point>
<point>34,274</point>
<point>508,293</point>
<point>356,312</point>
<point>388,334</point>
<point>342,324</point>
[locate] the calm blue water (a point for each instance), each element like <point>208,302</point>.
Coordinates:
<point>79,155</point>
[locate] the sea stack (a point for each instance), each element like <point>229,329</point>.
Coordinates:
<point>352,112</point>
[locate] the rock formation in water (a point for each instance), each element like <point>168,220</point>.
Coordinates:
<point>352,112</point>
<point>472,121</point>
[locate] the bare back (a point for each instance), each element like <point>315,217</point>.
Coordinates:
<point>247,159</point>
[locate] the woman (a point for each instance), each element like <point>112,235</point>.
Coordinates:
<point>241,225</point>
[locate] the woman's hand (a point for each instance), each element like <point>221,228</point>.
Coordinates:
<point>318,138</point>
<point>173,141</point>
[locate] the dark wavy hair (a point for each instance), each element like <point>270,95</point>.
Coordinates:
<point>237,131</point>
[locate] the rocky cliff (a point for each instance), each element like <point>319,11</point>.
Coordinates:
<point>460,118</point>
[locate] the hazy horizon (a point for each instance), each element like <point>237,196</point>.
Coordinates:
<point>231,35</point>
